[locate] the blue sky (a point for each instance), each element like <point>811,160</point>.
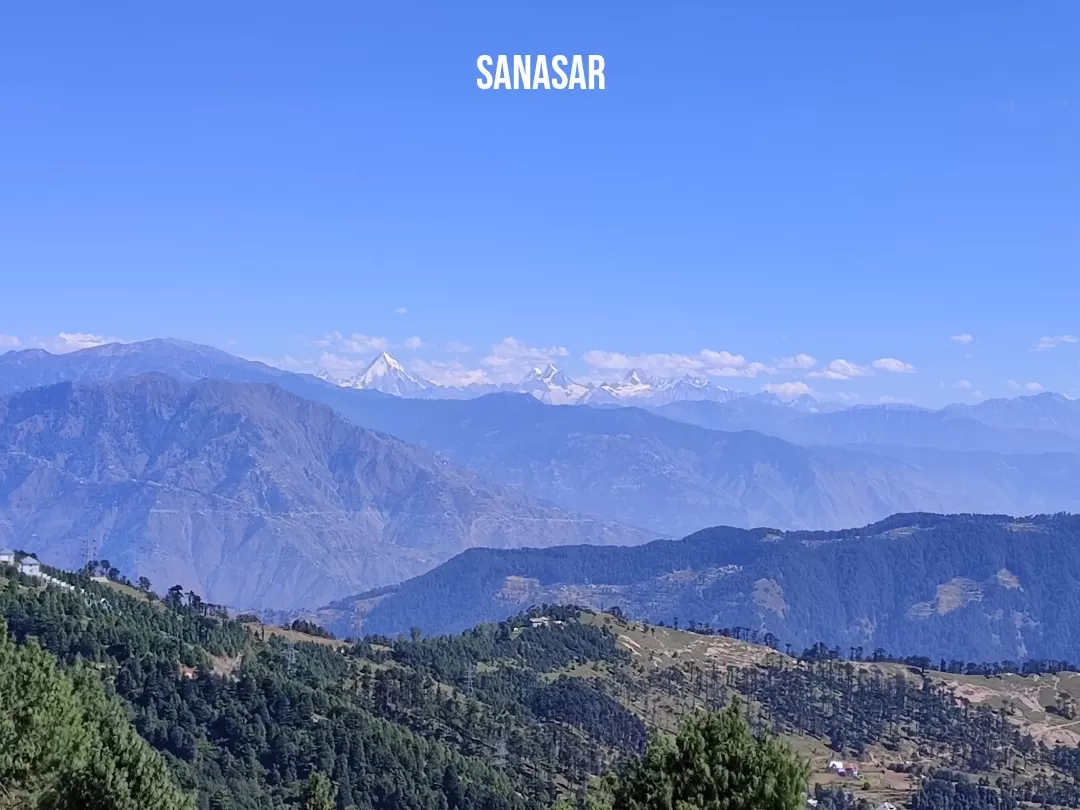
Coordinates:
<point>849,181</point>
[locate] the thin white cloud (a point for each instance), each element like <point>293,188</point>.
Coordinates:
<point>891,400</point>
<point>1046,342</point>
<point>799,361</point>
<point>512,358</point>
<point>964,338</point>
<point>401,311</point>
<point>457,347</point>
<point>9,342</point>
<point>788,390</point>
<point>338,366</point>
<point>749,370</point>
<point>73,341</point>
<point>894,366</point>
<point>844,396</point>
<point>709,362</point>
<point>964,384</point>
<point>841,370</point>
<point>414,343</point>
<point>1033,387</point>
<point>722,359</point>
<point>286,363</point>
<point>65,342</point>
<point>660,364</point>
<point>355,343</point>
<point>451,374</point>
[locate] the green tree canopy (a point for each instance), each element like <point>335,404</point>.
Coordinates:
<point>64,745</point>
<point>715,763</point>
<point>319,793</point>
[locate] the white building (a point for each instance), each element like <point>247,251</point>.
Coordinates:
<point>30,566</point>
<point>7,557</point>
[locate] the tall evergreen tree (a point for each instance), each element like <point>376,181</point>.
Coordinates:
<point>714,763</point>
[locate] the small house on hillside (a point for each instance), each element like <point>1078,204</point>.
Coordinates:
<point>30,566</point>
<point>7,557</point>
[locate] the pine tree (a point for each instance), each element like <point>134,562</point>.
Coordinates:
<point>715,763</point>
<point>319,793</point>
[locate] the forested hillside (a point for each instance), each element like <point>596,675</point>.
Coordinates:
<point>981,587</point>
<point>518,714</point>
<point>65,745</point>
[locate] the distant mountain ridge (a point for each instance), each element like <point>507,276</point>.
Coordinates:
<point>683,465</point>
<point>674,478</point>
<point>546,383</point>
<point>980,587</point>
<point>245,493</point>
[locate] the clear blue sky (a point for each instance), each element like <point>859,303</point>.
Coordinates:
<point>848,180</point>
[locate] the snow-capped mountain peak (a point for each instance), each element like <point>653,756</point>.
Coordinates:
<point>387,375</point>
<point>636,376</point>
<point>383,366</point>
<point>550,385</point>
<point>546,374</point>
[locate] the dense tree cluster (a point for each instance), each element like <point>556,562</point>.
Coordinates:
<point>505,716</point>
<point>64,745</point>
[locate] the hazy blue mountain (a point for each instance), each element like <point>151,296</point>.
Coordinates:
<point>30,368</point>
<point>245,493</point>
<point>909,426</point>
<point>673,478</point>
<point>966,586</point>
<point>764,414</point>
<point>1044,412</point>
<point>953,428</point>
<point>666,476</point>
<point>635,467</point>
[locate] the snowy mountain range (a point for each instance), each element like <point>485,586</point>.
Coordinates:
<point>547,384</point>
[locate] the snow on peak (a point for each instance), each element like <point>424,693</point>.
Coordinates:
<point>636,376</point>
<point>546,374</point>
<point>387,375</point>
<point>382,366</point>
<point>550,385</point>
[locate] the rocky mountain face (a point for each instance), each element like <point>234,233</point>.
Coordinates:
<point>979,587</point>
<point>245,493</point>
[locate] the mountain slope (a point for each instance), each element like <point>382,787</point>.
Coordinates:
<point>627,465</point>
<point>965,586</point>
<point>674,478</point>
<point>246,494</point>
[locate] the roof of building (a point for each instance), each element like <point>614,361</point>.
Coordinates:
<point>30,561</point>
